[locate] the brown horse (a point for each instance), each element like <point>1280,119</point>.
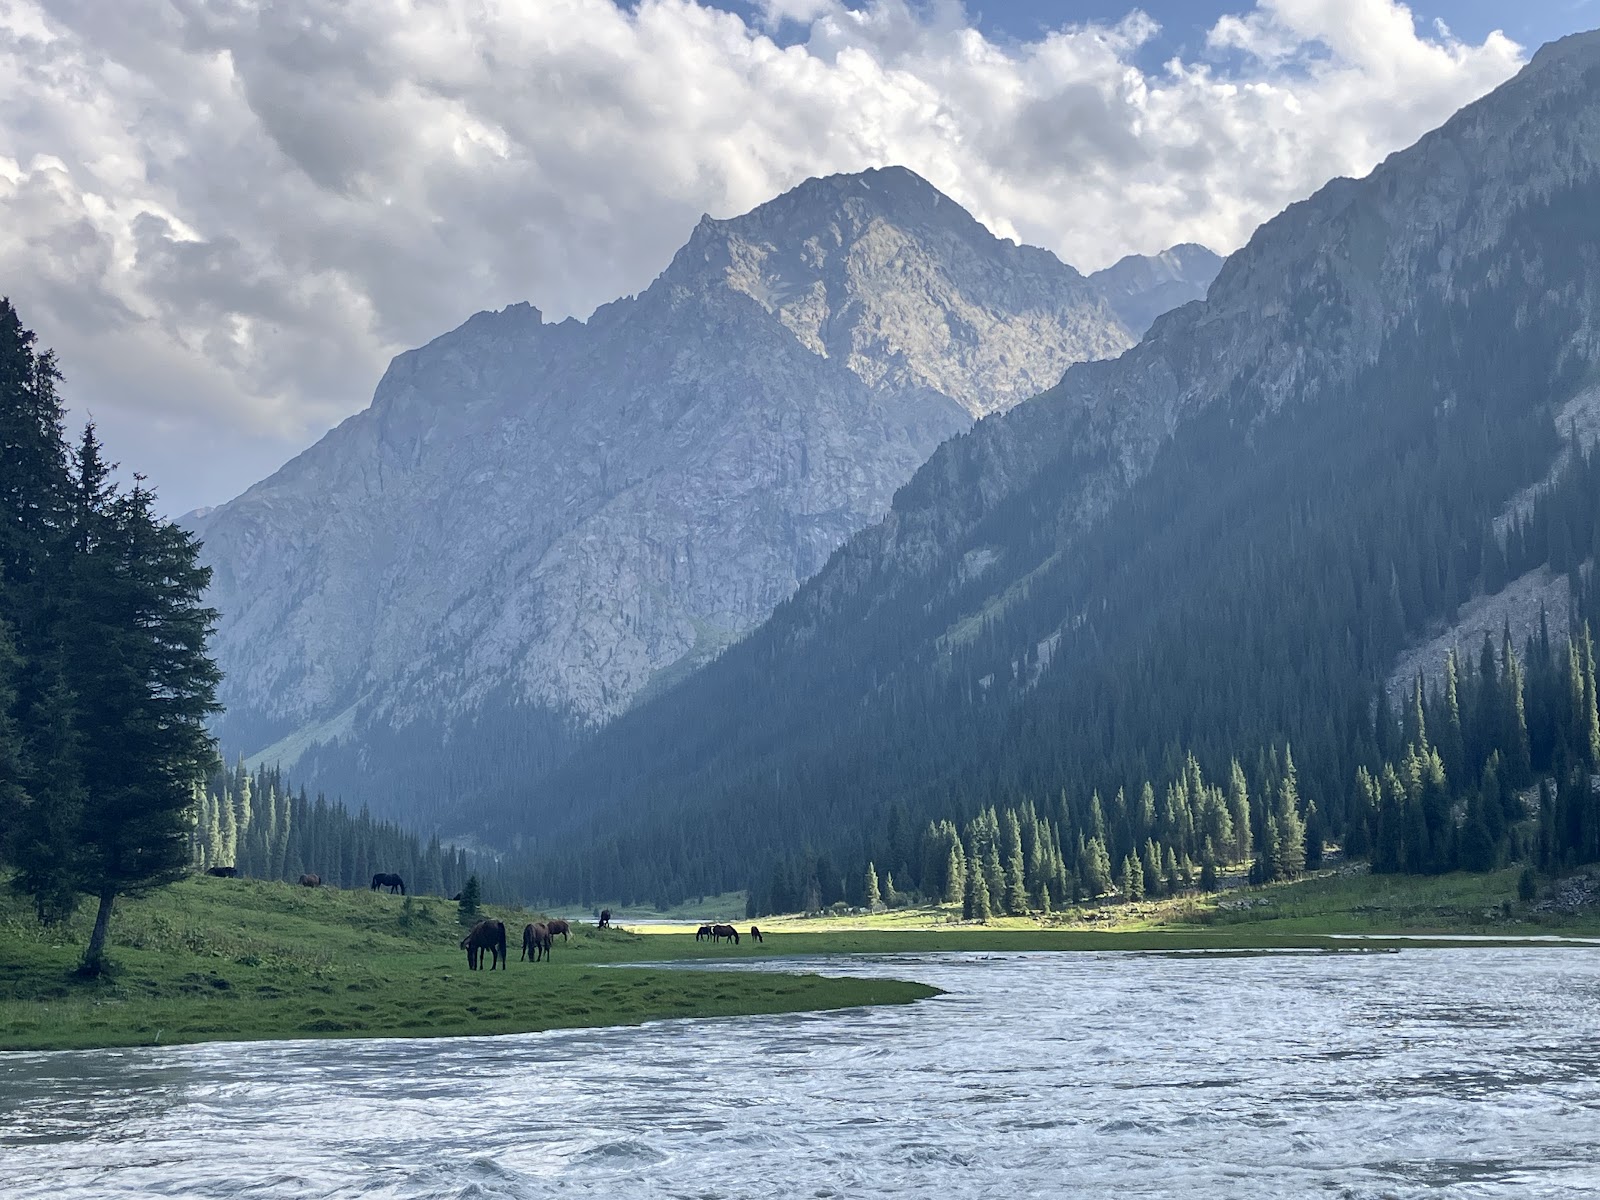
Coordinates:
<point>485,935</point>
<point>755,933</point>
<point>535,942</point>
<point>223,872</point>
<point>558,926</point>
<point>702,933</point>
<point>718,932</point>
<point>310,880</point>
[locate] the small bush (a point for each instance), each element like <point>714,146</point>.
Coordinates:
<point>1527,884</point>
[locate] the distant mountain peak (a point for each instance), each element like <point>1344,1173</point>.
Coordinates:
<point>534,522</point>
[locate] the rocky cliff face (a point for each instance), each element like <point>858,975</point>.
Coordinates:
<point>551,517</point>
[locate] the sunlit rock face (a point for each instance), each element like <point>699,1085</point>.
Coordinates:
<point>551,517</point>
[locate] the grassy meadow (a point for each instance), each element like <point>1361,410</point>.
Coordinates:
<point>237,959</point>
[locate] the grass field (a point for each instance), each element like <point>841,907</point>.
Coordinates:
<point>219,959</point>
<point>216,959</point>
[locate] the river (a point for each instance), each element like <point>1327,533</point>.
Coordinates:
<point>1467,1072</point>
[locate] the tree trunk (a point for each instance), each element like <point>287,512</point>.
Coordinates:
<point>93,957</point>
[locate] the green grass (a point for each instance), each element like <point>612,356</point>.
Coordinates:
<point>214,959</point>
<point>217,959</point>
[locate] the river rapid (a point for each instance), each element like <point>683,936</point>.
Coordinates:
<point>1467,1072</point>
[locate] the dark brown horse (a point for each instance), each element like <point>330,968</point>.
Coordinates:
<point>223,872</point>
<point>393,882</point>
<point>605,919</point>
<point>755,933</point>
<point>535,942</point>
<point>702,933</point>
<point>558,926</point>
<point>485,935</point>
<point>310,880</point>
<point>718,932</point>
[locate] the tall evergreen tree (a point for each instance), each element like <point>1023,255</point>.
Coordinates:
<point>134,633</point>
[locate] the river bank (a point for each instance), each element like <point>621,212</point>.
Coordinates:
<point>215,959</point>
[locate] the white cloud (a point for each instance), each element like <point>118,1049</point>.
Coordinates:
<point>227,214</point>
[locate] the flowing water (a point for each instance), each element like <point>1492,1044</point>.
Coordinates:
<point>1462,1072</point>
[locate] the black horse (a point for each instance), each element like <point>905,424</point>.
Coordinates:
<point>223,872</point>
<point>702,933</point>
<point>393,882</point>
<point>485,935</point>
<point>755,933</point>
<point>605,919</point>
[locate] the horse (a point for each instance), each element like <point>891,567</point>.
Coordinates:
<point>485,935</point>
<point>535,942</point>
<point>755,933</point>
<point>605,919</point>
<point>393,882</point>
<point>702,933</point>
<point>558,926</point>
<point>718,932</point>
<point>223,872</point>
<point>310,880</point>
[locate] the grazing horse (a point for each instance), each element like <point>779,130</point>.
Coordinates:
<point>393,882</point>
<point>702,933</point>
<point>718,932</point>
<point>558,926</point>
<point>605,919</point>
<point>310,880</point>
<point>755,933</point>
<point>535,942</point>
<point>485,935</point>
<point>223,872</point>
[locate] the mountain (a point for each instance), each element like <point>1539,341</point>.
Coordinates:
<point>534,523</point>
<point>1142,287</point>
<point>1218,544</point>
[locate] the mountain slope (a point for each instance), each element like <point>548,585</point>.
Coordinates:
<point>533,523</point>
<point>1218,542</point>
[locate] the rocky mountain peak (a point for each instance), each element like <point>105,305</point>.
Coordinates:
<point>532,524</point>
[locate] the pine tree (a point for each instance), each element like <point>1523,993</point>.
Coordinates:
<point>955,888</point>
<point>471,897</point>
<point>1289,860</point>
<point>874,899</point>
<point>1239,809</point>
<point>1132,882</point>
<point>134,633</point>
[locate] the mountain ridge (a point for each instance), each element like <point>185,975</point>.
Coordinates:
<point>960,647</point>
<point>531,522</point>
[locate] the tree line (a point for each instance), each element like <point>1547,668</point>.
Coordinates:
<point>257,823</point>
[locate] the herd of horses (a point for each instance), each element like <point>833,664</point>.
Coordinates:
<point>718,933</point>
<point>488,937</point>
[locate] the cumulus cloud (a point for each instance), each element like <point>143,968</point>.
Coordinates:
<point>226,215</point>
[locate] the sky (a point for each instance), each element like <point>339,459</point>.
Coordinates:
<point>226,216</point>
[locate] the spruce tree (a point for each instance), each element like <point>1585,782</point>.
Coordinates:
<point>467,906</point>
<point>955,888</point>
<point>134,634</point>
<point>874,898</point>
